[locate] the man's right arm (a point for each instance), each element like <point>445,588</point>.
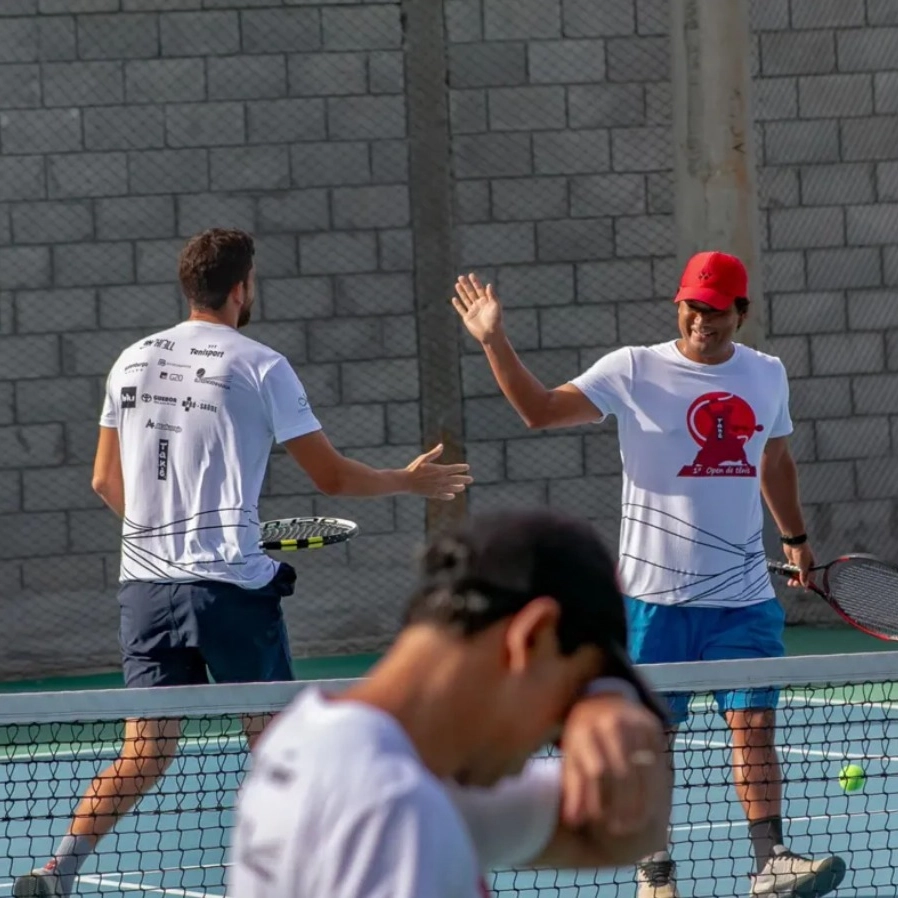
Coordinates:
<point>336,475</point>
<point>539,407</point>
<point>605,804</point>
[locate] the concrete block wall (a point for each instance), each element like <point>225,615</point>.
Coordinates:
<point>562,150</point>
<point>828,121</point>
<point>126,125</point>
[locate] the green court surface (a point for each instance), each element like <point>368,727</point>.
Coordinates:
<point>799,641</point>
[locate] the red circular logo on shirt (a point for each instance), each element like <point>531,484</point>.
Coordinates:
<point>715,412</point>
<point>721,424</point>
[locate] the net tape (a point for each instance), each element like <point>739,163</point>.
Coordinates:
<point>832,710</point>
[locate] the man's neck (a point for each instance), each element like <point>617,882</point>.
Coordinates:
<point>432,693</point>
<point>211,317</point>
<point>717,359</point>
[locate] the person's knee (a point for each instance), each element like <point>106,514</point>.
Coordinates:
<point>149,747</point>
<point>752,727</point>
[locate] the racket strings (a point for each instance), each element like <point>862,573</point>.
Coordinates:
<point>301,529</point>
<point>867,591</point>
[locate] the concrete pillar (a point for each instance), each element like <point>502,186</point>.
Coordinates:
<point>430,190</point>
<point>714,155</point>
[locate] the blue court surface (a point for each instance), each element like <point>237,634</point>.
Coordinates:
<point>176,844</point>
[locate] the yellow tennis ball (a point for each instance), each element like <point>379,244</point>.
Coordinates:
<point>852,777</point>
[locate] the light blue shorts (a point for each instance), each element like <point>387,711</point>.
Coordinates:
<point>666,634</point>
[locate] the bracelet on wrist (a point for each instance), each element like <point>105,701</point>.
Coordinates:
<point>798,540</point>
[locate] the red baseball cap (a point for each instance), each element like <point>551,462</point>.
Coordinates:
<point>715,279</point>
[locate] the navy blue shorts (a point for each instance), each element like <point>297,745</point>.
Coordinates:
<point>180,634</point>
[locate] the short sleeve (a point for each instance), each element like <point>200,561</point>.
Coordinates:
<point>109,417</point>
<point>782,425</point>
<point>512,822</point>
<point>286,404</point>
<point>608,381</point>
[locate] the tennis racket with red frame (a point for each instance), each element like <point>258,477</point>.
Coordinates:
<point>861,589</point>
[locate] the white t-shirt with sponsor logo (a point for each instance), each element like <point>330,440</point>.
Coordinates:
<point>197,408</point>
<point>691,441</point>
<point>338,803</point>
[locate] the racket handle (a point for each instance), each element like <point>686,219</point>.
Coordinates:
<point>780,567</point>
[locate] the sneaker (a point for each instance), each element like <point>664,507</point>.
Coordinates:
<point>41,883</point>
<point>657,879</point>
<point>788,875</point>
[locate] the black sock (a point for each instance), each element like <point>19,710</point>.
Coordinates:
<point>765,833</point>
<point>657,868</point>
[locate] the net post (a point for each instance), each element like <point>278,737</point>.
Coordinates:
<point>430,188</point>
<point>715,197</point>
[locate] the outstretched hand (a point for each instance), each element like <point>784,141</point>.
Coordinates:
<point>437,481</point>
<point>478,307</point>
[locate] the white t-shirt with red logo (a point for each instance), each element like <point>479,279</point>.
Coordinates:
<point>197,408</point>
<point>339,804</point>
<point>691,441</point>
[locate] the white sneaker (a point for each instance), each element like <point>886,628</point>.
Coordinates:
<point>41,883</point>
<point>657,879</point>
<point>788,875</point>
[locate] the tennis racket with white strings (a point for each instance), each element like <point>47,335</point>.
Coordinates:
<point>292,534</point>
<point>861,589</point>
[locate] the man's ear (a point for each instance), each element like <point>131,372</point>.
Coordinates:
<point>531,635</point>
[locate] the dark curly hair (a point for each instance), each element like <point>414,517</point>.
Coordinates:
<point>212,263</point>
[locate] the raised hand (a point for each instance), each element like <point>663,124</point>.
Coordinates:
<point>478,307</point>
<point>616,771</point>
<point>437,481</point>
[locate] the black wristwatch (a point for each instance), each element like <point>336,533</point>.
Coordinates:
<point>798,540</point>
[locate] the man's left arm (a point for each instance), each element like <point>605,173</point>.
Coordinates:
<point>606,803</point>
<point>108,482</point>
<point>779,487</point>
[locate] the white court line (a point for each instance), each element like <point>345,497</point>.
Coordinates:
<point>800,701</point>
<point>693,744</point>
<point>221,866</point>
<point>730,824</point>
<point>106,879</point>
<point>822,702</point>
<point>116,880</point>
<point>97,751</point>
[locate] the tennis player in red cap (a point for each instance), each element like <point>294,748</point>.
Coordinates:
<point>703,424</point>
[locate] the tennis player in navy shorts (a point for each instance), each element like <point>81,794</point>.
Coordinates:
<point>187,427</point>
<point>703,424</point>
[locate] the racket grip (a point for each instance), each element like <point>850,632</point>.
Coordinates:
<point>780,567</point>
